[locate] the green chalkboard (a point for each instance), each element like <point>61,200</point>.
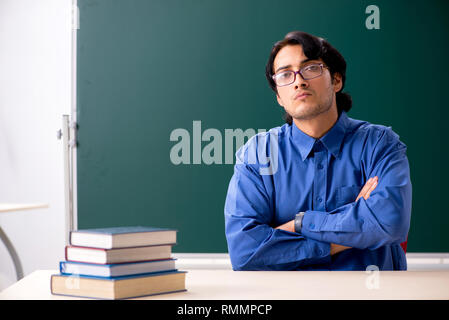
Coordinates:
<point>152,70</point>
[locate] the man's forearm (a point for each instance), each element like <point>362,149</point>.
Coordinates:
<point>274,249</point>
<point>369,186</point>
<point>334,248</point>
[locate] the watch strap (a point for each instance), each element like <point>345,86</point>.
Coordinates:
<point>298,221</point>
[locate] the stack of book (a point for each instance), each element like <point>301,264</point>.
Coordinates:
<point>119,263</point>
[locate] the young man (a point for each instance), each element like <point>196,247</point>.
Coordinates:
<point>339,197</point>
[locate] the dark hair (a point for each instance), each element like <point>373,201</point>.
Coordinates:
<point>314,48</point>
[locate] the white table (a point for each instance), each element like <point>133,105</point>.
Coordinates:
<point>8,207</point>
<point>273,285</point>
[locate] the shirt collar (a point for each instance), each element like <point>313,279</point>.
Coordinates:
<point>331,140</point>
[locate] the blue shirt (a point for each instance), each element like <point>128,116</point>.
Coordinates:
<point>284,171</point>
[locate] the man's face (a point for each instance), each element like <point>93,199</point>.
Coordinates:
<point>320,91</point>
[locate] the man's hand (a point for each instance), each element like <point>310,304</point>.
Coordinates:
<point>369,186</point>
<point>288,226</point>
<point>336,248</point>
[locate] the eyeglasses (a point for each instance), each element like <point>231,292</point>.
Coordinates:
<point>308,72</point>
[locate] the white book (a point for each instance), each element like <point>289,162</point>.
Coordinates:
<point>120,255</point>
<point>116,270</point>
<point>122,237</point>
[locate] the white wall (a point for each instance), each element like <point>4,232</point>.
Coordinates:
<point>35,91</point>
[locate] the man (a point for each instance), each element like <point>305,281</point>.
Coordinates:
<point>340,195</point>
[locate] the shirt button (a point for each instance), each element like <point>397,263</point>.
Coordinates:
<point>311,226</point>
<point>320,166</point>
<point>319,199</point>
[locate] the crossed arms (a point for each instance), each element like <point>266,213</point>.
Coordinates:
<point>369,186</point>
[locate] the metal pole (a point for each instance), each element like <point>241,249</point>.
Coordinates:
<point>64,133</point>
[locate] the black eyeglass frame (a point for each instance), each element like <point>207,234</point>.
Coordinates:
<point>300,71</point>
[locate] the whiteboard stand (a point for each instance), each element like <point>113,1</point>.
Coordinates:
<point>67,133</point>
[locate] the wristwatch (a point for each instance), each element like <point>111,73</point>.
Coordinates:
<point>298,221</point>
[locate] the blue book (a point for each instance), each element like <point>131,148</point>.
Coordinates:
<point>122,237</point>
<point>120,287</point>
<point>116,270</point>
